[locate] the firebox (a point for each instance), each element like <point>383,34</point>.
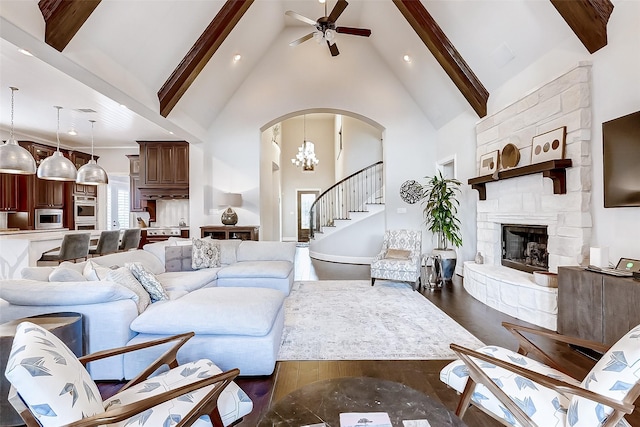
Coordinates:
<point>524,247</point>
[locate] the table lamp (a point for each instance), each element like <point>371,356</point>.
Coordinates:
<point>229,217</point>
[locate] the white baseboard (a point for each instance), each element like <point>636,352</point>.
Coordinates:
<point>340,258</point>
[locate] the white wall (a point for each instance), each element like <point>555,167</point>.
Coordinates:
<point>361,146</point>
<point>291,80</point>
<point>616,92</point>
<point>114,161</point>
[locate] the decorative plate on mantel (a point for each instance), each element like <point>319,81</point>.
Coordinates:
<point>510,156</point>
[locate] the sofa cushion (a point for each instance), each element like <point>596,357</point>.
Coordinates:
<point>157,249</point>
<point>50,379</point>
<point>123,276</point>
<point>31,292</point>
<point>228,251</point>
<point>148,281</point>
<point>220,311</point>
<point>36,273</point>
<point>188,280</point>
<point>205,253</point>
<point>62,274</point>
<point>177,258</point>
<point>266,251</point>
<point>150,261</point>
<point>248,269</point>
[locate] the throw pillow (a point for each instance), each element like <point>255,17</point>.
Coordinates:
<point>397,254</point>
<point>205,253</point>
<point>177,258</point>
<point>148,281</point>
<point>50,379</point>
<point>62,274</point>
<point>122,276</point>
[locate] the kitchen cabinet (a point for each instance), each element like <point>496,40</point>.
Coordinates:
<point>164,164</point>
<point>226,232</point>
<point>80,159</point>
<point>596,306</point>
<point>48,194</point>
<point>9,192</point>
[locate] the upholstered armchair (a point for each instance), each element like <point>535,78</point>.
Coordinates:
<point>399,259</point>
<point>51,387</point>
<point>519,391</point>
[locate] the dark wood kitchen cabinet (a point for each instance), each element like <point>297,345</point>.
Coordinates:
<point>164,164</point>
<point>80,159</point>
<point>49,194</point>
<point>9,192</point>
<point>596,306</point>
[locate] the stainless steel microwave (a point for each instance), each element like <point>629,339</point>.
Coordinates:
<point>48,219</point>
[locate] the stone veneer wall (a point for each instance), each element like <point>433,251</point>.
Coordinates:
<point>565,101</point>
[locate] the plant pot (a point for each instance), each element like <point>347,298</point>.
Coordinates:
<point>448,259</point>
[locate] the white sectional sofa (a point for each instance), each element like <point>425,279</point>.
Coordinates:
<point>236,310</point>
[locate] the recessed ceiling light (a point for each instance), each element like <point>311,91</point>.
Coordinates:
<point>322,1</point>
<point>406,58</point>
<point>123,106</point>
<point>72,132</point>
<point>170,133</point>
<point>25,52</point>
<point>237,57</point>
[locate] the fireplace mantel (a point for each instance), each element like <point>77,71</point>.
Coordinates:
<point>554,169</point>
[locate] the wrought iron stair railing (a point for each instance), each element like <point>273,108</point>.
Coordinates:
<point>351,194</point>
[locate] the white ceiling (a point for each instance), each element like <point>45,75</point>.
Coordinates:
<point>127,49</point>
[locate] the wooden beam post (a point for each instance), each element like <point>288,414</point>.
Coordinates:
<point>63,19</point>
<point>445,53</point>
<point>588,20</point>
<point>198,56</point>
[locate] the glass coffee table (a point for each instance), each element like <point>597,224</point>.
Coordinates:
<point>323,401</point>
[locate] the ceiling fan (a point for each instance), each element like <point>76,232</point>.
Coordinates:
<point>326,28</point>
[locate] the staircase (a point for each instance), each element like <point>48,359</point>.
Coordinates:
<point>347,220</point>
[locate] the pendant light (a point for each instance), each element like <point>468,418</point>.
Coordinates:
<point>15,159</point>
<point>57,167</point>
<point>91,173</point>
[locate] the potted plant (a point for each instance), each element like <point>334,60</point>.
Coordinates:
<point>440,202</point>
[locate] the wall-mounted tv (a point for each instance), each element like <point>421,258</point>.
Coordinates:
<point>621,146</point>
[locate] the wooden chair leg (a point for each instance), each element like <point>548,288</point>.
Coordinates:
<point>216,419</point>
<point>465,398</point>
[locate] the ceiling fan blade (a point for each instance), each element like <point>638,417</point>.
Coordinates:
<point>333,48</point>
<point>365,32</point>
<point>340,6</point>
<point>301,40</point>
<point>299,17</point>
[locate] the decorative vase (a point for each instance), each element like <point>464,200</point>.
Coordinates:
<point>479,258</point>
<point>229,217</point>
<point>448,259</point>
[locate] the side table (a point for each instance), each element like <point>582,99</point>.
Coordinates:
<point>67,326</point>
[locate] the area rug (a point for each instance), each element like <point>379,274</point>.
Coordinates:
<point>352,320</point>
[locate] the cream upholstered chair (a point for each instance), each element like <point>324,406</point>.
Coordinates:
<point>519,391</point>
<point>399,259</point>
<point>51,387</point>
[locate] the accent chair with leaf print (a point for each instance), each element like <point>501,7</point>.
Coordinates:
<point>400,257</point>
<point>519,391</point>
<point>52,388</point>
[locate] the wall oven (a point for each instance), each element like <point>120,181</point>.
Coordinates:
<point>48,219</point>
<point>84,212</point>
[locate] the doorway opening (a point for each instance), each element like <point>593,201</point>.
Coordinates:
<point>305,199</point>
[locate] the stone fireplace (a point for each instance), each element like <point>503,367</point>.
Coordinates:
<point>531,201</point>
<point>525,247</point>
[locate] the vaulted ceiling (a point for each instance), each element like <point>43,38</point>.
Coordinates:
<point>171,62</point>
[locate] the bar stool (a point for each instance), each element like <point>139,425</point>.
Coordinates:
<point>73,247</point>
<point>107,243</point>
<point>130,239</point>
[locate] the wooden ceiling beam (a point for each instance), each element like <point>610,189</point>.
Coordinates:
<point>201,52</point>
<point>63,19</point>
<point>445,53</point>
<point>588,20</point>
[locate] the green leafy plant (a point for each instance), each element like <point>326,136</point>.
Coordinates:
<point>439,197</point>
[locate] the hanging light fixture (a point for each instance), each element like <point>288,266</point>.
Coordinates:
<point>306,156</point>
<point>15,159</point>
<point>57,167</point>
<point>91,173</point>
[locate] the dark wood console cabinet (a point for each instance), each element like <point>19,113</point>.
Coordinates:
<point>226,232</point>
<point>595,306</point>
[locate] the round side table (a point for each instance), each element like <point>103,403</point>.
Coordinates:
<point>67,326</point>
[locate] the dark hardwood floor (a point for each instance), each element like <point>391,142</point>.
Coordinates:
<point>422,375</point>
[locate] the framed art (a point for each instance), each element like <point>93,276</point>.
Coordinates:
<point>489,163</point>
<point>549,145</point>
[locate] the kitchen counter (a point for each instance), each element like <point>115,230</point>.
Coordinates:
<point>23,249</point>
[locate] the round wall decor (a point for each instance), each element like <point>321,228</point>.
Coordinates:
<point>510,156</point>
<point>411,191</point>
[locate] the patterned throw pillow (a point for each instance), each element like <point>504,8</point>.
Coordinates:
<point>397,254</point>
<point>205,253</point>
<point>62,274</point>
<point>123,276</point>
<point>50,379</point>
<point>148,281</point>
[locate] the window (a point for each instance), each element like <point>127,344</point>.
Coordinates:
<point>118,202</point>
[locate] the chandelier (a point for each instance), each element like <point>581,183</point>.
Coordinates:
<point>306,156</point>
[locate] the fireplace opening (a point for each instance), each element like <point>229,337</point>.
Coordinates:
<point>524,247</point>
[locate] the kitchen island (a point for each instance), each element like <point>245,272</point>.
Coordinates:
<point>20,249</point>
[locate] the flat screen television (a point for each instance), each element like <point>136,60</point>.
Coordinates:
<point>621,157</point>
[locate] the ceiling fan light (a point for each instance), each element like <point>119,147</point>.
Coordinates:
<point>330,36</point>
<point>318,36</point>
